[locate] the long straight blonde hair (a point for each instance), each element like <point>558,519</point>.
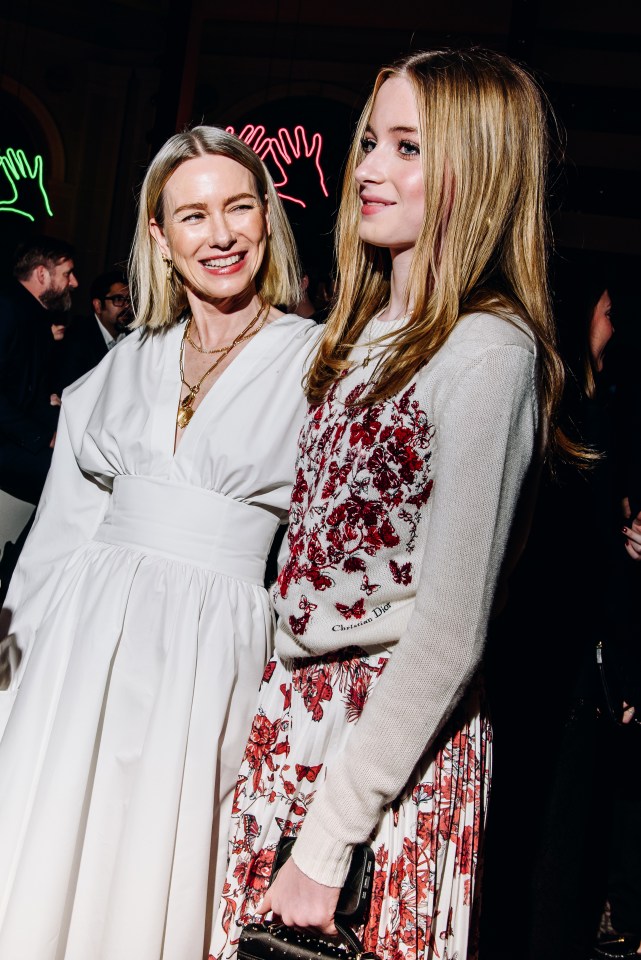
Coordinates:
<point>158,298</point>
<point>482,246</point>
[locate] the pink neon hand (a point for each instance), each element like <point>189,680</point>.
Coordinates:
<point>254,137</point>
<point>294,175</point>
<point>288,159</point>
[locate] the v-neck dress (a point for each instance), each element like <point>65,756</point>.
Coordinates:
<point>140,629</point>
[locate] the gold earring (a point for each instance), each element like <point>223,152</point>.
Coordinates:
<point>169,267</point>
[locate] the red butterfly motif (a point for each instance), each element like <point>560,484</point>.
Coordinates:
<point>308,773</point>
<point>357,610</point>
<point>306,605</point>
<point>369,588</point>
<point>299,624</point>
<point>251,832</point>
<point>401,574</point>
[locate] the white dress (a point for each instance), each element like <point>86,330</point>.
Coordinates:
<point>143,628</point>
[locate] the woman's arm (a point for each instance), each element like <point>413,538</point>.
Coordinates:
<point>485,435</point>
<point>71,508</point>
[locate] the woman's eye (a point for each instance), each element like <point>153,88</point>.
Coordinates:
<point>367,144</point>
<point>409,149</point>
<point>192,217</point>
<point>242,207</point>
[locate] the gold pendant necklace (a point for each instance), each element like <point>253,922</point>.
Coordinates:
<point>186,405</point>
<point>371,344</point>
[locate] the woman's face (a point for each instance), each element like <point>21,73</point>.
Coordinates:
<point>390,176</point>
<point>601,329</point>
<point>215,226</point>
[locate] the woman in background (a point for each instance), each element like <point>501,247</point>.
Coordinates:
<point>588,808</point>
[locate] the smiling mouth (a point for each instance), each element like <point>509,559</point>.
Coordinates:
<point>375,201</point>
<point>218,263</point>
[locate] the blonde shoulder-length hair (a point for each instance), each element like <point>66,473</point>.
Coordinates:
<point>158,299</point>
<point>482,246</point>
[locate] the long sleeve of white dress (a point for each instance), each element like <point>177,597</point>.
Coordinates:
<point>70,510</point>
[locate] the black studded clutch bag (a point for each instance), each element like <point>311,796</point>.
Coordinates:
<point>354,900</point>
<point>275,941</point>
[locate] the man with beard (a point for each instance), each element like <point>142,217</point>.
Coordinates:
<point>88,339</point>
<point>44,278</point>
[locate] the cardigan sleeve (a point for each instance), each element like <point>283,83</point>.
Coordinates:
<point>485,433</point>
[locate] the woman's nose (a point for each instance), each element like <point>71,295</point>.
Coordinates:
<point>220,233</point>
<point>369,169</point>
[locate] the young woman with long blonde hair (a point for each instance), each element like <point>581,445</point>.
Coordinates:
<point>430,397</point>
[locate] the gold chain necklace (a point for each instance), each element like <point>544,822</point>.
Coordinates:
<point>186,406</point>
<point>376,343</point>
<point>247,336</point>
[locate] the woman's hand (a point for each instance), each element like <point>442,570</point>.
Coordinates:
<point>632,534</point>
<point>300,901</point>
<point>628,713</point>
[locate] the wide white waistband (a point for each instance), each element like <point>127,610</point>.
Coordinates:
<point>190,524</point>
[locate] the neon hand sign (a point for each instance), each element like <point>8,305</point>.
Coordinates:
<point>285,151</point>
<point>16,167</point>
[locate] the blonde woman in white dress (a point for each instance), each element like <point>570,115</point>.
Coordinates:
<point>139,623</point>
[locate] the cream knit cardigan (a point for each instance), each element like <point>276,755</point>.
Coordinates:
<point>400,521</point>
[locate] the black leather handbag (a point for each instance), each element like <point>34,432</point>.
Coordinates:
<point>275,941</point>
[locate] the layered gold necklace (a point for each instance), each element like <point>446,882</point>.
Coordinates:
<point>186,406</point>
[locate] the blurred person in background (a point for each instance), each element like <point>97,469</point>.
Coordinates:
<point>44,278</point>
<point>567,755</point>
<point>88,339</point>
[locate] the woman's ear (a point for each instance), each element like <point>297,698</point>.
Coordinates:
<point>158,235</point>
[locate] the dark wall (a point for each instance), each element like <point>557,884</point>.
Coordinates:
<point>97,88</point>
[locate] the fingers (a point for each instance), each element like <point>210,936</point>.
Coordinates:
<point>628,713</point>
<point>265,904</point>
<point>284,141</point>
<point>633,540</point>
<point>299,901</point>
<point>307,920</point>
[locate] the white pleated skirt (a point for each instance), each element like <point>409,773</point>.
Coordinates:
<point>120,756</point>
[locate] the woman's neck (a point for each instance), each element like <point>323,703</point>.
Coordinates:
<point>399,279</point>
<point>219,322</point>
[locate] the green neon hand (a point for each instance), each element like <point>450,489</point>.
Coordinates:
<point>16,167</point>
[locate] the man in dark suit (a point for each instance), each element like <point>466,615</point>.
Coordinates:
<point>88,339</point>
<point>44,278</point>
